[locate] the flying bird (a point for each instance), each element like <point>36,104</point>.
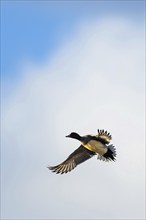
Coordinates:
<point>91,145</point>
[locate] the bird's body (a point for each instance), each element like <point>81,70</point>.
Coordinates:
<point>96,146</point>
<point>91,145</point>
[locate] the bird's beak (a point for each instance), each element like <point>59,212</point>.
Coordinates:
<point>67,136</point>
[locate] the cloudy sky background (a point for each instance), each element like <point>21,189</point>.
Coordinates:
<point>72,66</point>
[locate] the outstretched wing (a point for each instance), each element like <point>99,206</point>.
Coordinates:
<point>104,136</point>
<point>78,156</point>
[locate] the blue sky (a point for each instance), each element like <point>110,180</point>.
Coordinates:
<point>72,66</point>
<point>34,29</point>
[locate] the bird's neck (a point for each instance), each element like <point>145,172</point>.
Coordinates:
<point>78,137</point>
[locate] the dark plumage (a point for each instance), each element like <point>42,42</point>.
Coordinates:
<point>90,146</point>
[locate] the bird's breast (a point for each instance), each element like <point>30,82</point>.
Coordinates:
<point>96,147</point>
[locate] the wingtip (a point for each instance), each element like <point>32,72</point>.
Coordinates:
<point>55,169</point>
<point>50,168</point>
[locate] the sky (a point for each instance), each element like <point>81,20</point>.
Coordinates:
<point>72,66</point>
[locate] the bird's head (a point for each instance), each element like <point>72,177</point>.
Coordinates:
<point>74,135</point>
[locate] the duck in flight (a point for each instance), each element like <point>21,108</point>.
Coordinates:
<point>91,145</point>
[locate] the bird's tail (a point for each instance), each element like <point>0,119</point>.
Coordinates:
<point>109,155</point>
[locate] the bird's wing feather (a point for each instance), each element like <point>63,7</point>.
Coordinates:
<point>104,136</point>
<point>78,156</point>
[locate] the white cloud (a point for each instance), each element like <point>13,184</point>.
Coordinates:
<point>95,81</point>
